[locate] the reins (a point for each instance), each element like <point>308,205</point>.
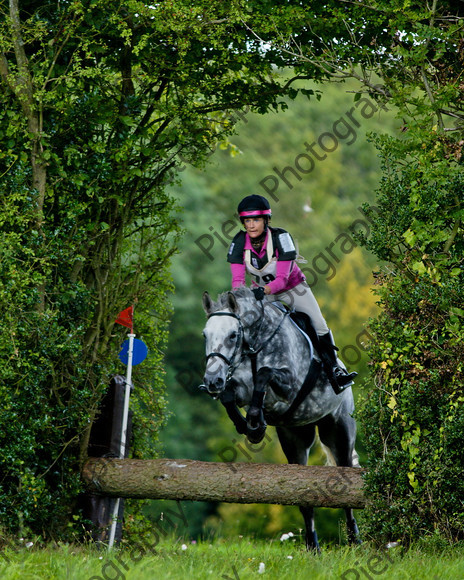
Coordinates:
<point>250,351</point>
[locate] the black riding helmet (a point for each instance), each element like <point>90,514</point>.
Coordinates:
<point>254,206</point>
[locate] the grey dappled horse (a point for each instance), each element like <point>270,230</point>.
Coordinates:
<point>257,358</point>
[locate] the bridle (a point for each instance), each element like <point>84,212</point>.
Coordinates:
<point>229,362</point>
<point>248,350</point>
<point>228,399</point>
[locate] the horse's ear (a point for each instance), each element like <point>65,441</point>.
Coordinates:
<point>232,302</point>
<point>207,302</point>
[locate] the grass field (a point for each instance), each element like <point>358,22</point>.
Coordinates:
<point>236,560</point>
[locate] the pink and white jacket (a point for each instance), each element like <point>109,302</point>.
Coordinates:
<point>273,266</point>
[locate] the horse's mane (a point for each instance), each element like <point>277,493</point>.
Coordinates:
<point>241,293</point>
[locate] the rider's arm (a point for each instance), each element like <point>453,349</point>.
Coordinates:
<point>235,258</point>
<point>238,275</point>
<point>283,270</point>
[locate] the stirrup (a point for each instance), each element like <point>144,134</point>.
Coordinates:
<point>342,380</point>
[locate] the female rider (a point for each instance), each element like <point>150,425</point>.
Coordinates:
<point>269,255</point>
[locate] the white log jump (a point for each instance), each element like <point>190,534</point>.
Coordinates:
<point>179,479</point>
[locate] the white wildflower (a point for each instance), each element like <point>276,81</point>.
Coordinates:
<point>289,557</point>
<point>29,544</point>
<point>284,537</point>
<point>262,568</point>
<point>184,546</point>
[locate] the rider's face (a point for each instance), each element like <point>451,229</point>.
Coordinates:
<point>254,226</point>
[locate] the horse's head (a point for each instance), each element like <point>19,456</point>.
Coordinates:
<point>225,333</point>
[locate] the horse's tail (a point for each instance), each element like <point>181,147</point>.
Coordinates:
<point>355,459</point>
<point>330,458</point>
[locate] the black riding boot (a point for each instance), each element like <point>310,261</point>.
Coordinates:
<point>339,378</point>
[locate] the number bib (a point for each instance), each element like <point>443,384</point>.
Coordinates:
<point>268,272</point>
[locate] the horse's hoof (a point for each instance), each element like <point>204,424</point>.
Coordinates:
<point>313,548</point>
<point>354,538</point>
<point>354,541</point>
<point>256,434</point>
<point>241,428</point>
<point>254,414</point>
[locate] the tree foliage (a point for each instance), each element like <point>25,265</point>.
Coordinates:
<point>97,100</point>
<point>415,49</point>
<point>414,479</point>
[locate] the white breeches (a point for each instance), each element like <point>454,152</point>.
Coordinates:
<point>302,299</point>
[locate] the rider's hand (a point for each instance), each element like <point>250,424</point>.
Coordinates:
<point>258,292</point>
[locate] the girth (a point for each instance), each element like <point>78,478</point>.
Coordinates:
<point>305,389</point>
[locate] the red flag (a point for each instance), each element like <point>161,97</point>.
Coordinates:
<point>126,318</point>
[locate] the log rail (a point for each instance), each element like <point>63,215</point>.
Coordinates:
<point>185,479</point>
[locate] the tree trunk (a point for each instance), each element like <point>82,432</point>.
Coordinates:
<point>178,479</point>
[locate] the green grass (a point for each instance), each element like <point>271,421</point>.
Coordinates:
<point>237,560</point>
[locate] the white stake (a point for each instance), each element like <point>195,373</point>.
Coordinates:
<point>122,446</point>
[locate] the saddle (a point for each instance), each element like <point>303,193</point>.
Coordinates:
<point>302,321</point>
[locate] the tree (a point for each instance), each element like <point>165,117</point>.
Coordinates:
<point>414,50</point>
<point>98,100</point>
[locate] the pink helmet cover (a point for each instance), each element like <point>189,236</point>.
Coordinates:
<point>255,212</point>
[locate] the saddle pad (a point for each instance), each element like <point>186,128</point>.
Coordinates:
<point>299,319</point>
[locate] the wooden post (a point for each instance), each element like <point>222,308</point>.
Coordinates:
<point>178,479</point>
<point>105,441</point>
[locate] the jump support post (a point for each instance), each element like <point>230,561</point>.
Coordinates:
<point>184,479</point>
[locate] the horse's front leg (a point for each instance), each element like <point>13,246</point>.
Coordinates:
<point>228,400</point>
<point>279,381</point>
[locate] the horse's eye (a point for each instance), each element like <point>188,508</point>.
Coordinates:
<point>233,336</point>
<point>204,334</point>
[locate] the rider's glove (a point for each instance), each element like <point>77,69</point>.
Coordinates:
<point>258,292</point>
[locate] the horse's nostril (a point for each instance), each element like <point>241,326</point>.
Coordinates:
<point>213,384</point>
